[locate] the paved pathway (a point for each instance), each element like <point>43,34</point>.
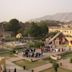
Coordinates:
<point>66,64</point>
<point>12,66</point>
<point>43,67</point>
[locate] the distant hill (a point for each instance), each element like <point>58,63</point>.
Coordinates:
<point>63,17</point>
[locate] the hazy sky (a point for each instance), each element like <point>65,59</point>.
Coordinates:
<point>29,9</point>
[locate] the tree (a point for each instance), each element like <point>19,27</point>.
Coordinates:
<point>34,30</point>
<point>55,66</point>
<point>38,31</point>
<point>43,30</point>
<point>50,23</point>
<point>71,60</point>
<point>38,44</point>
<point>4,26</point>
<point>14,25</point>
<point>30,44</point>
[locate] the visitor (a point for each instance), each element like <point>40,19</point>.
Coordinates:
<point>60,63</point>
<point>32,70</point>
<point>24,67</point>
<point>15,70</point>
<point>9,70</point>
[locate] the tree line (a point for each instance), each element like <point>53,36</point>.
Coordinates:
<point>32,29</point>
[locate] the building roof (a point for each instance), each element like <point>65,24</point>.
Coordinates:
<point>54,37</point>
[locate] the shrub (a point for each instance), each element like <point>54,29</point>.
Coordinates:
<point>64,55</point>
<point>55,66</point>
<point>71,60</point>
<point>51,60</point>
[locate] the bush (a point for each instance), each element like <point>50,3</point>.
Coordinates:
<point>55,66</point>
<point>64,55</point>
<point>14,51</point>
<point>51,60</point>
<point>71,60</point>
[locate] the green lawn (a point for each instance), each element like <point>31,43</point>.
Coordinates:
<point>59,70</point>
<point>6,53</point>
<point>67,55</point>
<point>30,65</point>
<point>2,50</point>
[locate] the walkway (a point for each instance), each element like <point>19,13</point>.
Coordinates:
<point>66,64</point>
<point>10,65</point>
<point>43,67</point>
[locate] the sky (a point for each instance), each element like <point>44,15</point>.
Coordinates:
<point>24,10</point>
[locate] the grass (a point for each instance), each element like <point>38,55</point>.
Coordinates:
<point>1,50</point>
<point>5,53</point>
<point>30,65</point>
<point>67,55</point>
<point>50,60</point>
<point>19,49</point>
<point>59,70</point>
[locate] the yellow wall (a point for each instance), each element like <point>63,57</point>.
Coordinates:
<point>66,31</point>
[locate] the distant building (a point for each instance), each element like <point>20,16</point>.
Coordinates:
<point>67,32</point>
<point>56,41</point>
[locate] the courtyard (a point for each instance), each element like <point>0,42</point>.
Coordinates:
<point>31,65</point>
<point>6,53</point>
<point>59,70</point>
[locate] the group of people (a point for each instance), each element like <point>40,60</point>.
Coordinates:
<point>32,52</point>
<point>49,49</point>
